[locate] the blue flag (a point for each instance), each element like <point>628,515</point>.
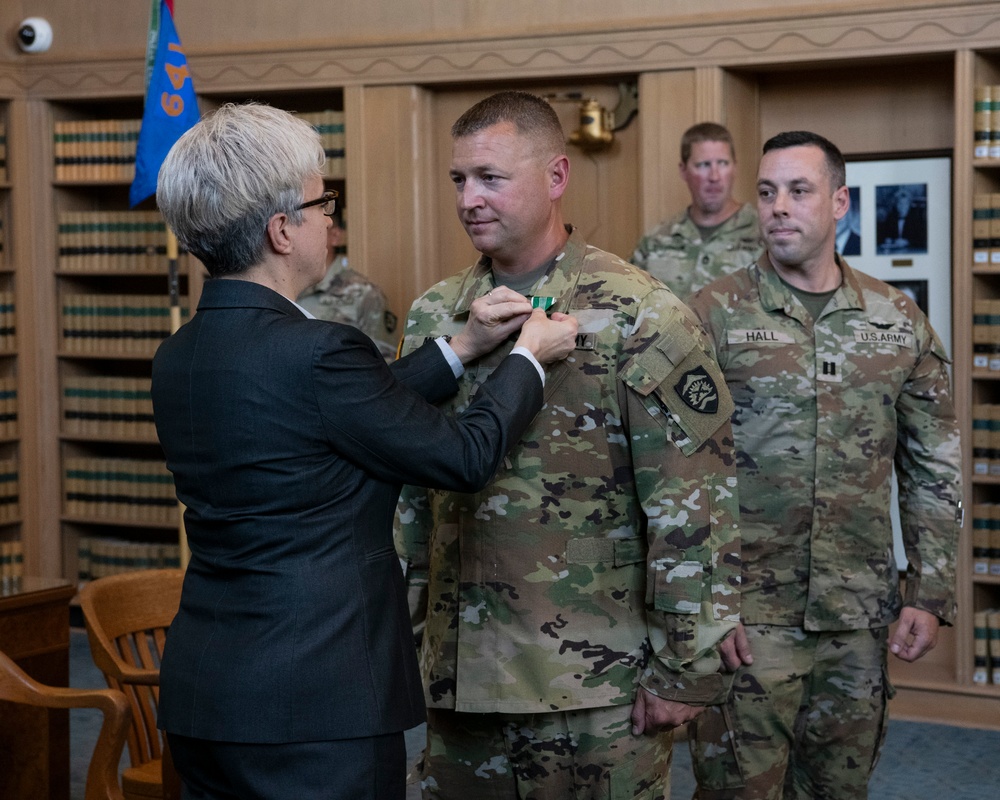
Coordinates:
<point>171,108</point>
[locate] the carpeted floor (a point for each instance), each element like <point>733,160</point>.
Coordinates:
<point>920,761</point>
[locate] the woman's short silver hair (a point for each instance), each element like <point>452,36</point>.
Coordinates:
<point>229,174</point>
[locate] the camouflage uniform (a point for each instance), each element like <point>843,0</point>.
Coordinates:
<point>674,253</point>
<point>823,410</point>
<point>346,296</point>
<point>605,553</point>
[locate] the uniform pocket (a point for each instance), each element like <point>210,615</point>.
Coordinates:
<point>888,692</point>
<point>645,776</point>
<point>678,589</point>
<point>713,741</point>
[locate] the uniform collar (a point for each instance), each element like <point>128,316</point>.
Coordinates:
<point>776,296</point>
<point>559,282</point>
<point>745,217</point>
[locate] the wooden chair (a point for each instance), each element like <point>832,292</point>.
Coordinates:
<point>102,775</point>
<point>127,617</point>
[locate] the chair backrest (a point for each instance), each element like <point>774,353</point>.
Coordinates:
<point>102,775</point>
<point>127,617</point>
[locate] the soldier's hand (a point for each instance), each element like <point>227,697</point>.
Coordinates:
<point>916,634</point>
<point>735,650</point>
<point>651,714</point>
<point>549,339</point>
<point>492,319</point>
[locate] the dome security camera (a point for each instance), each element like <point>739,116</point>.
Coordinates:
<point>34,35</point>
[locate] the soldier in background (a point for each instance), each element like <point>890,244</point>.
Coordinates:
<point>578,608</point>
<point>714,235</point>
<point>346,296</point>
<point>836,377</point>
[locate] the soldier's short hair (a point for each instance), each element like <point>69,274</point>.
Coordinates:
<point>834,158</point>
<point>531,115</point>
<point>705,132</point>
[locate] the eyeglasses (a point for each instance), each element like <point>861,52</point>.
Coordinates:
<point>328,201</point>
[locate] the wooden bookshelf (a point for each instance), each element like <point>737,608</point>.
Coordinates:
<point>11,545</point>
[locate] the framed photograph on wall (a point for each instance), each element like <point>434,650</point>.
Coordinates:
<point>899,228</point>
<point>915,290</point>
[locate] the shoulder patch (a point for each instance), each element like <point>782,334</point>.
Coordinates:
<point>698,391</point>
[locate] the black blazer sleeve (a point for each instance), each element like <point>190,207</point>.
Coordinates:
<point>427,372</point>
<point>396,435</point>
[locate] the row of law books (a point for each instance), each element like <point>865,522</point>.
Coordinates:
<point>10,505</point>
<point>8,408</point>
<point>986,121</point>
<point>330,125</point>
<point>96,150</point>
<point>10,509</point>
<point>8,328</point>
<point>986,539</point>
<point>107,407</point>
<point>11,566</point>
<point>986,335</point>
<point>986,229</point>
<point>115,324</point>
<point>986,646</point>
<point>122,490</point>
<point>112,241</point>
<point>986,439</point>
<point>98,557</point>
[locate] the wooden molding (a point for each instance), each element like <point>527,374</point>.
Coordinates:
<point>734,43</point>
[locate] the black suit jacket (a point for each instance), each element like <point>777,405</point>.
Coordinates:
<point>289,439</point>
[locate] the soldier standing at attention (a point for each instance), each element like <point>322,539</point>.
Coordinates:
<point>350,298</point>
<point>577,606</point>
<point>836,377</point>
<point>714,235</point>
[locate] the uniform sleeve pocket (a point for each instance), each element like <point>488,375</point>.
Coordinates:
<point>682,388</point>
<point>677,586</point>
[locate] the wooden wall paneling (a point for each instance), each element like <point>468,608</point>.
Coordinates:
<point>741,114</point>
<point>455,251</point>
<point>667,108</point>
<point>30,165</point>
<point>961,706</point>
<point>603,195</point>
<point>389,232</point>
<point>325,54</point>
<point>263,25</point>
<point>878,106</point>
<point>961,337</point>
<point>708,88</point>
<point>731,99</point>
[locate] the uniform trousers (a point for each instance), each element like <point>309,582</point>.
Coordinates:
<point>589,754</point>
<point>367,768</point>
<point>805,721</point>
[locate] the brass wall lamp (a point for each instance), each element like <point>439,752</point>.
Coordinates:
<point>597,126</point>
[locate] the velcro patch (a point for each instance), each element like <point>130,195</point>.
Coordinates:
<point>758,336</point>
<point>698,391</point>
<point>586,341</point>
<point>898,338</point>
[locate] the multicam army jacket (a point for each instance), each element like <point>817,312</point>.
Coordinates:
<point>606,549</point>
<point>674,252</point>
<point>348,297</point>
<point>823,410</point>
